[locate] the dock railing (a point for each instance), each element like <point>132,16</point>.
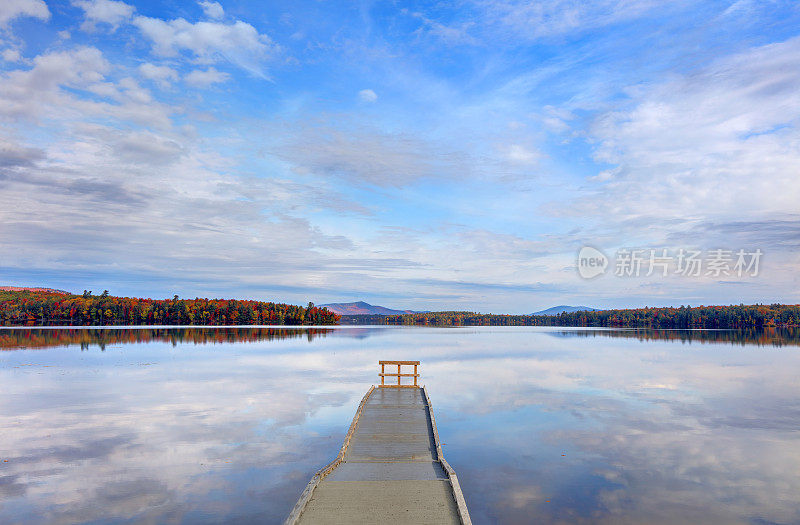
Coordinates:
<point>399,374</point>
<point>458,496</point>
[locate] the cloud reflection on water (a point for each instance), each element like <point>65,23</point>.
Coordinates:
<point>540,426</point>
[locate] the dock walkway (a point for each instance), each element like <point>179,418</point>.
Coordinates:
<point>390,468</point>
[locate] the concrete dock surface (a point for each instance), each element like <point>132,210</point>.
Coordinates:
<point>391,469</point>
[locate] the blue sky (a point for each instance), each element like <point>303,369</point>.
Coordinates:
<point>451,155</point>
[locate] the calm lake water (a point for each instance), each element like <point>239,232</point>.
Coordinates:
<point>542,425</point>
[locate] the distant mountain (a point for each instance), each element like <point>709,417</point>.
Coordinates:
<point>564,308</point>
<point>29,289</point>
<point>362,308</point>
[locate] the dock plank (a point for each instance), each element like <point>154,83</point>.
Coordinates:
<point>406,502</point>
<point>391,470</point>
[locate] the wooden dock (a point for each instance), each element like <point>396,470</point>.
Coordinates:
<point>390,468</point>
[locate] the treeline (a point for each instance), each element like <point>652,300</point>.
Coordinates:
<point>42,307</point>
<point>734,316</point>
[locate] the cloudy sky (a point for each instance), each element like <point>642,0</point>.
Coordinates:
<point>431,156</point>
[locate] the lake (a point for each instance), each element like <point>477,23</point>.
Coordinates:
<point>542,425</point>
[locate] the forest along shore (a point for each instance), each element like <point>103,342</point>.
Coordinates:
<point>46,306</point>
<point>53,307</point>
<point>733,317</point>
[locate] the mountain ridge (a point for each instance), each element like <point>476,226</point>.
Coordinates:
<point>555,310</point>
<point>363,308</point>
<point>31,289</point>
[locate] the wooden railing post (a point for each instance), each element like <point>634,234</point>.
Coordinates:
<point>400,375</point>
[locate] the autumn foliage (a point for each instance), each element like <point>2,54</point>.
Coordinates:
<point>734,316</point>
<point>34,307</point>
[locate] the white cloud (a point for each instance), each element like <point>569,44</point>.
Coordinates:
<point>556,120</point>
<point>367,95</point>
<point>39,91</point>
<point>239,42</point>
<point>206,78</point>
<point>25,92</point>
<point>13,154</point>
<point>532,20</point>
<point>212,9</point>
<point>366,155</point>
<point>718,143</point>
<point>169,188</point>
<point>109,12</point>
<point>11,55</point>
<point>519,154</point>
<point>515,21</point>
<point>138,164</point>
<point>447,33</point>
<point>161,75</point>
<point>11,9</point>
